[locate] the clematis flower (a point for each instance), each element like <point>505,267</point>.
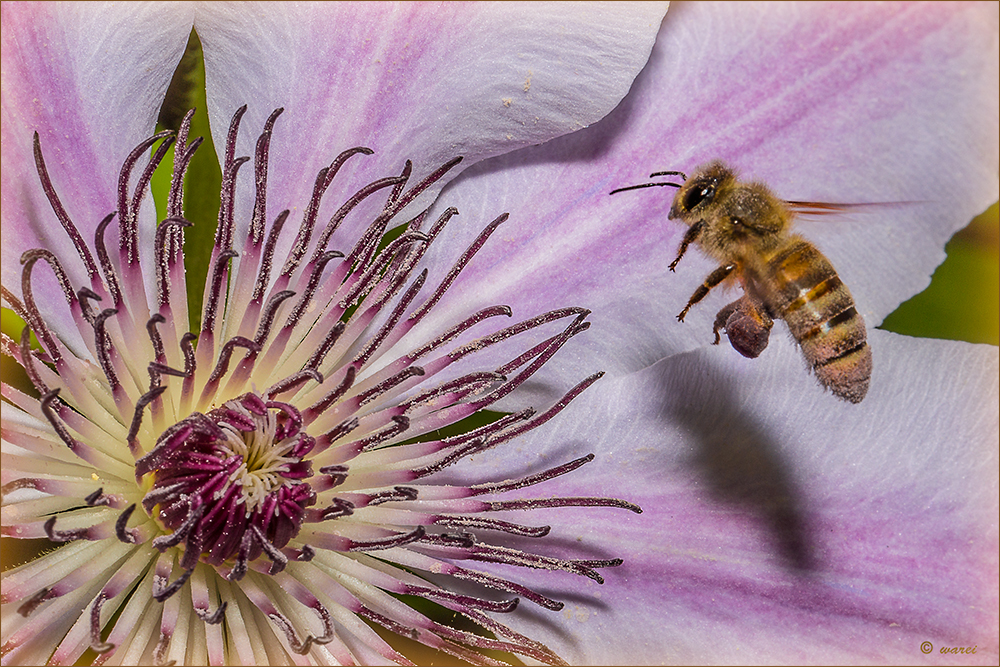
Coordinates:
<point>779,524</point>
<point>260,490</point>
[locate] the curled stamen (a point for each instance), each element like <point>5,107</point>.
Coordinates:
<point>225,355</point>
<point>163,590</point>
<point>32,603</point>
<point>278,559</point>
<point>35,319</point>
<point>61,215</point>
<point>128,214</point>
<point>140,406</point>
<point>107,268</point>
<point>64,535</point>
<point>294,381</point>
<point>96,644</point>
<point>97,498</point>
<point>121,531</point>
<point>213,618</point>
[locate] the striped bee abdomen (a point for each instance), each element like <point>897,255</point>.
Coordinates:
<point>806,292</point>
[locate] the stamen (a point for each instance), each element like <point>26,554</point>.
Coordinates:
<point>104,347</point>
<point>492,524</point>
<point>31,604</point>
<point>213,618</point>
<point>121,531</point>
<point>96,644</point>
<point>61,215</point>
<point>63,535</point>
<point>376,341</point>
<point>256,232</point>
<point>294,381</point>
<point>264,274</point>
<point>337,473</point>
<point>225,355</point>
<point>398,493</point>
<point>328,342</point>
<point>389,384</point>
<point>164,255</point>
<point>27,359</point>
<point>349,205</point>
<point>310,290</point>
<point>140,406</point>
<point>467,601</point>
<point>331,397</point>
<point>323,180</point>
<point>107,268</point>
<point>35,319</point>
<point>458,266</point>
<point>278,559</point>
<point>267,318</point>
<point>387,542</point>
<point>162,590</point>
<point>215,290</point>
<point>400,424</point>
<point>182,159</point>
<point>154,337</point>
<point>128,242</point>
<point>97,498</point>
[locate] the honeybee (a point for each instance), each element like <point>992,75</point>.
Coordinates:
<point>746,228</point>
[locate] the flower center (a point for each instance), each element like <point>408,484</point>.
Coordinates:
<point>229,483</point>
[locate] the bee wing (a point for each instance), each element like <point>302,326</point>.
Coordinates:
<point>819,207</point>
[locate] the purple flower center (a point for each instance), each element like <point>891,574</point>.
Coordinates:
<point>230,483</point>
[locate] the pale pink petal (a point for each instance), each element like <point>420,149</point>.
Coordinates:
<point>90,79</point>
<point>411,81</point>
<point>780,524</point>
<point>839,103</point>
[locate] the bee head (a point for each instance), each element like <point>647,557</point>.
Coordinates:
<point>700,191</point>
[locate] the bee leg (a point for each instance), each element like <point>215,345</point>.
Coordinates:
<point>714,278</point>
<point>690,236</point>
<point>747,324</point>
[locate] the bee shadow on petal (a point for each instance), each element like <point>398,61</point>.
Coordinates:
<point>734,455</point>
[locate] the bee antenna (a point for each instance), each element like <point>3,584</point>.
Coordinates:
<point>645,185</point>
<point>669,173</point>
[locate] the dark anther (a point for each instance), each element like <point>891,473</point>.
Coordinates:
<point>293,381</point>
<point>337,473</point>
<point>32,603</point>
<point>96,644</point>
<point>161,592</point>
<point>97,498</point>
<point>140,405</point>
<point>164,542</point>
<point>399,493</point>
<point>398,540</point>
<point>57,208</point>
<point>124,534</point>
<point>226,354</point>
<point>213,618</point>
<point>278,559</point>
<point>63,535</point>
<point>338,508</point>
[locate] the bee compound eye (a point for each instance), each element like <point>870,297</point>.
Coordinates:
<point>699,194</point>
